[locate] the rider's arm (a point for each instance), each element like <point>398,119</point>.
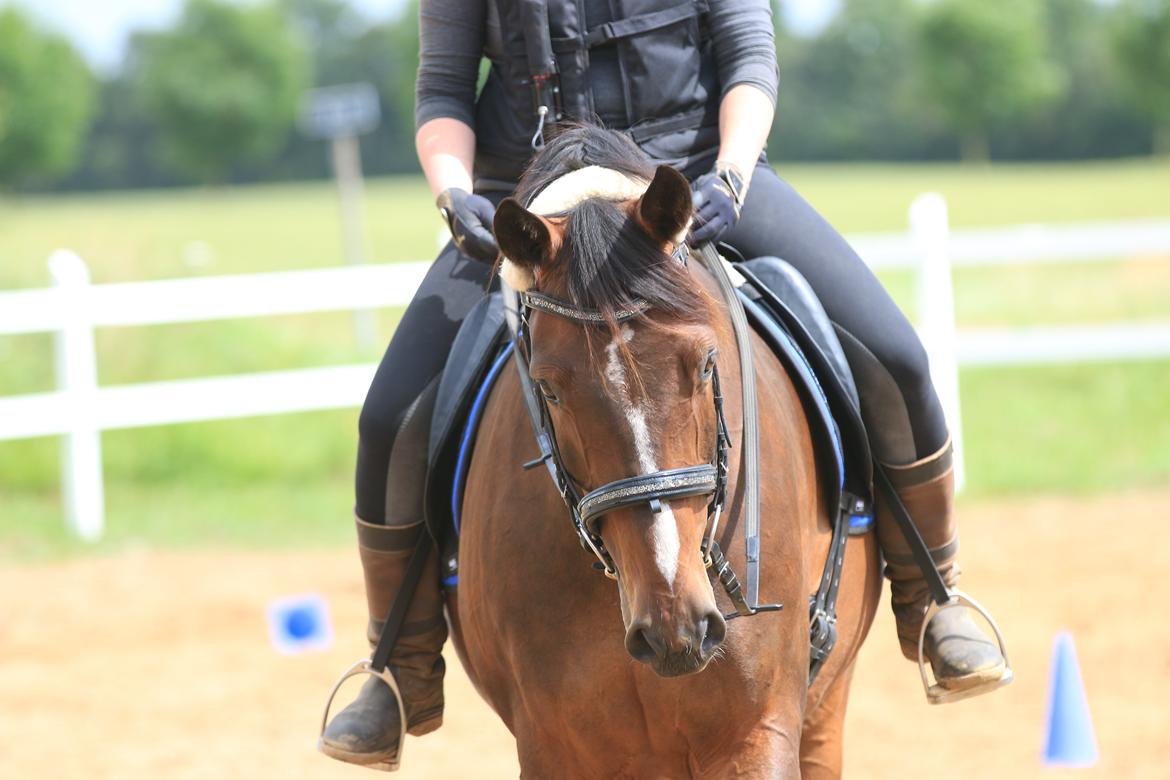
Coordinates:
<point>450,46</point>
<point>745,52</point>
<point>451,39</point>
<point>446,150</point>
<point>745,117</point>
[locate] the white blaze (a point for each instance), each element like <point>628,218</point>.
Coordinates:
<point>664,531</point>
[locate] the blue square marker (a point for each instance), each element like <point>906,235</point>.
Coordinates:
<point>299,624</point>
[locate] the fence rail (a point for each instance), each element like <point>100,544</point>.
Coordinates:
<point>1079,242</point>
<point>188,400</point>
<point>80,410</point>
<point>1066,344</point>
<point>206,298</point>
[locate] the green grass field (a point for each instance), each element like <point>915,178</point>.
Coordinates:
<point>286,480</point>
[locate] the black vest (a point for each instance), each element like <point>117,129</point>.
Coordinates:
<point>669,76</point>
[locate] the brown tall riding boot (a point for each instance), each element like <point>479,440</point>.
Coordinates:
<point>960,654</point>
<point>367,731</point>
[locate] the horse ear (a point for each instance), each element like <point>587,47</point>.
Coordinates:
<point>665,209</point>
<point>525,241</point>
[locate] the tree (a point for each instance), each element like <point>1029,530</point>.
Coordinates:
<point>848,91</point>
<point>46,101</point>
<point>1091,118</point>
<point>223,86</point>
<point>347,47</point>
<point>981,62</point>
<point>1142,44</point>
<point>389,56</point>
<point>329,27</point>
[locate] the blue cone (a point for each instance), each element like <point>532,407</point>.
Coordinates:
<point>299,624</point>
<point>1070,740</point>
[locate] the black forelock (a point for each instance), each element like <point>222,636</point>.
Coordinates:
<point>609,263</point>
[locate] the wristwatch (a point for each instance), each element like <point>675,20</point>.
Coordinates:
<point>446,204</point>
<point>729,174</point>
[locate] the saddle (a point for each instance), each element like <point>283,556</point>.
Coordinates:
<point>781,307</point>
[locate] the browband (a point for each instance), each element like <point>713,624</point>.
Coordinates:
<point>537,300</point>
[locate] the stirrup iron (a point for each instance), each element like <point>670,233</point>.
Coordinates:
<point>366,666</point>
<point>935,693</point>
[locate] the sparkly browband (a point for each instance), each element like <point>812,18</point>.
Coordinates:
<point>535,300</point>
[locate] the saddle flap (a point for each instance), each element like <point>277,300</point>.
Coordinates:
<point>785,301</point>
<point>804,308</point>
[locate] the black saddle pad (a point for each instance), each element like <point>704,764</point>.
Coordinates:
<point>476,349</point>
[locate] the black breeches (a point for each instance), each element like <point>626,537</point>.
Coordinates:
<point>416,355</point>
<point>901,409</point>
<point>899,405</point>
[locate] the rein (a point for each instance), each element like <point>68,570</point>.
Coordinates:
<point>708,479</point>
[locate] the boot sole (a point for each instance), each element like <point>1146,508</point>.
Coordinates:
<point>386,761</point>
<point>973,680</point>
<point>426,722</point>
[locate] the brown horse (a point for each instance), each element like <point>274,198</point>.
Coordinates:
<point>670,690</point>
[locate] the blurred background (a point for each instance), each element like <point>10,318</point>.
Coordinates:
<point>173,140</point>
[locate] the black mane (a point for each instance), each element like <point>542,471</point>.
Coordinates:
<point>607,261</point>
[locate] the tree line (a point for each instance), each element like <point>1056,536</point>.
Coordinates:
<point>214,98</point>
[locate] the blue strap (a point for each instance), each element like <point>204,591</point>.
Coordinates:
<point>860,521</point>
<point>469,428</point>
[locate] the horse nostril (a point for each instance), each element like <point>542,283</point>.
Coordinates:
<point>638,644</point>
<point>715,634</point>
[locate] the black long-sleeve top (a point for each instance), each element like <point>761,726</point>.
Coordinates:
<point>454,35</point>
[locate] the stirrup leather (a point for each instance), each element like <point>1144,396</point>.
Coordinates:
<point>366,666</point>
<point>935,693</point>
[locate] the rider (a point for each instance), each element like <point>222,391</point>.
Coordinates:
<point>694,83</point>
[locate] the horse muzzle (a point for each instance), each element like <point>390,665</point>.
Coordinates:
<point>672,651</point>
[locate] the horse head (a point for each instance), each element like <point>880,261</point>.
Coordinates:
<point>629,388</point>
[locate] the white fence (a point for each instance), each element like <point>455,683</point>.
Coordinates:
<point>73,307</point>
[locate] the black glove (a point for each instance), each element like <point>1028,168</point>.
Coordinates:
<point>717,198</point>
<point>470,219</point>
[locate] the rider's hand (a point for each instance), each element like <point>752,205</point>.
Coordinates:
<point>470,219</point>
<point>717,197</point>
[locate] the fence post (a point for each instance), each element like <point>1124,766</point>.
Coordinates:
<point>76,358</point>
<point>347,168</point>
<point>936,311</point>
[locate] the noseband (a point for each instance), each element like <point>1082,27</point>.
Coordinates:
<point>586,508</point>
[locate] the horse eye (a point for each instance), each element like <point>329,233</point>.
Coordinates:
<point>709,365</point>
<point>547,392</point>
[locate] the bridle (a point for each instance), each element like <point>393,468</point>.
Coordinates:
<point>587,507</point>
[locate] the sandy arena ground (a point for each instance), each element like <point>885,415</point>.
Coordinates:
<point>155,665</point>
